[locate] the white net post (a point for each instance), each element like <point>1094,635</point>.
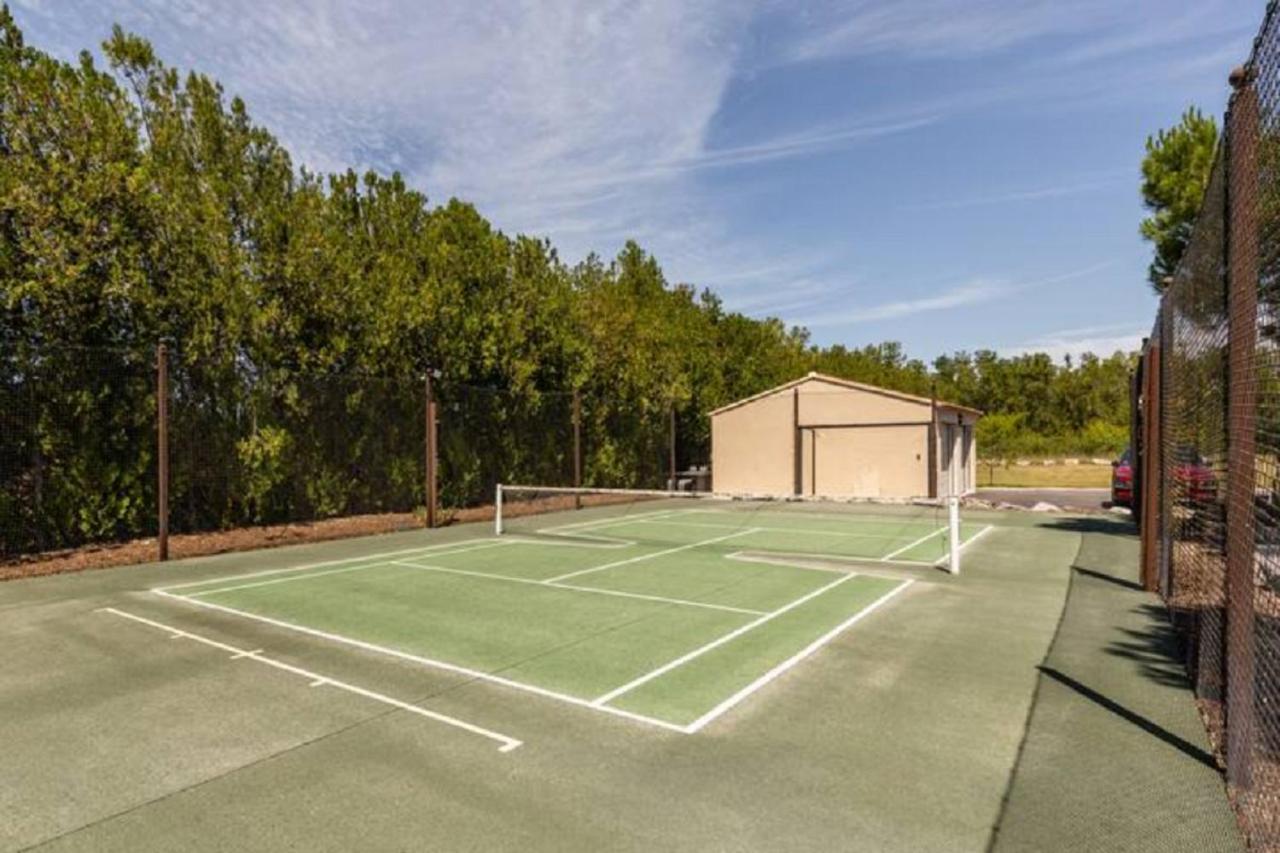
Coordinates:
<point>953,531</point>
<point>497,510</point>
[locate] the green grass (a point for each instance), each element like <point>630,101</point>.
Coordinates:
<point>1045,476</point>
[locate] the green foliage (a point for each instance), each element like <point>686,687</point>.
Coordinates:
<point>1175,173</point>
<point>138,205</point>
<point>262,458</point>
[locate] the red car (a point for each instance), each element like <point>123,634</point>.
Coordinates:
<point>1193,480</point>
<point>1122,480</point>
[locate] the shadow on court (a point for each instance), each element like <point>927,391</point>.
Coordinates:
<point>1115,757</point>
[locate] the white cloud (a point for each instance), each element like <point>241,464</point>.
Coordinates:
<point>968,293</point>
<point>1100,340</point>
<point>972,292</point>
<point>1037,194</point>
<point>943,28</point>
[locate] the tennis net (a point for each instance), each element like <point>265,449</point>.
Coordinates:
<point>910,531</point>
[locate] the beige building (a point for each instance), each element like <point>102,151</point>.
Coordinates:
<point>819,435</point>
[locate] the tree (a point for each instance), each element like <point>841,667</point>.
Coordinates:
<point>1175,173</point>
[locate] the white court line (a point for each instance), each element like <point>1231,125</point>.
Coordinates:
<point>887,557</point>
<point>600,543</point>
<point>642,557</point>
<point>716,643</point>
<point>425,661</point>
<point>317,680</point>
<point>787,664</point>
<point>859,568</point>
<point>856,561</point>
<point>488,543</point>
<point>851,518</point>
<point>807,531</point>
<point>574,588</point>
<point>613,519</point>
<point>324,563</point>
<point>965,544</point>
<point>561,530</point>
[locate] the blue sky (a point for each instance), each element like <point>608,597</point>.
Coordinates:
<point>951,174</point>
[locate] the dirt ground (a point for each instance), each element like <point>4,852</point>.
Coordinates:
<point>107,555</point>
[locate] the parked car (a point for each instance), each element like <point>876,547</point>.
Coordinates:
<point>1193,480</point>
<point>1122,480</point>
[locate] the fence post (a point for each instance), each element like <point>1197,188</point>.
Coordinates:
<point>931,454</point>
<point>1151,463</point>
<point>1242,319</point>
<point>1136,450</point>
<point>577,446</point>
<point>671,479</point>
<point>162,450</point>
<point>430,451</point>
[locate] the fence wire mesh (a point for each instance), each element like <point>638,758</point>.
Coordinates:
<point>1212,452</point>
<point>77,447</point>
<point>80,461</point>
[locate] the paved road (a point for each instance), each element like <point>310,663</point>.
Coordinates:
<point>1092,499</point>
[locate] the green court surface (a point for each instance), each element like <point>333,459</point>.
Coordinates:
<point>655,676</point>
<point>670,616</point>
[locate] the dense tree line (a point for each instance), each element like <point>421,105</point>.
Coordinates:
<point>139,206</point>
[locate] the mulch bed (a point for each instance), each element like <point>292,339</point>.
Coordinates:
<point>104,556</point>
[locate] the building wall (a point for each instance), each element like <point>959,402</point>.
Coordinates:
<point>753,447</point>
<point>868,461</point>
<point>827,403</point>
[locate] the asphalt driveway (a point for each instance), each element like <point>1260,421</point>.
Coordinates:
<point>1087,499</point>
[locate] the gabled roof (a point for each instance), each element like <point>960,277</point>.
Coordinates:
<point>847,383</point>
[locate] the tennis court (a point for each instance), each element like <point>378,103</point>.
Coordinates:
<point>668,613</point>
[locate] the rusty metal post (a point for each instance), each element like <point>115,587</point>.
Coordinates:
<point>671,440</point>
<point>1136,439</point>
<point>1153,484</point>
<point>430,450</point>
<point>1242,325</point>
<point>162,450</point>
<point>577,446</point>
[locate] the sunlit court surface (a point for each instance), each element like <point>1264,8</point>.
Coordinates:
<point>668,616</point>
<point>656,674</point>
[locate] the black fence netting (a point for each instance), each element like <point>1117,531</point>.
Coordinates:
<point>77,447</point>
<point>1209,447</point>
<point>489,436</point>
<point>81,461</point>
<point>257,450</point>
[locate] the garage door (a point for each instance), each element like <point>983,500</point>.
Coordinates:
<point>866,461</point>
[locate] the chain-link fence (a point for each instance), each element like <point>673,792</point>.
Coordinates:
<point>1208,441</point>
<point>87,456</point>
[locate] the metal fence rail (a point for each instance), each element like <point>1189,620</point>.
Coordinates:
<point>1208,443</point>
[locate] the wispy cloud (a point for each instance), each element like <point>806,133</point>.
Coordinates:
<point>967,293</point>
<point>942,28</point>
<point>972,292</point>
<point>1037,194</point>
<point>1100,340</point>
<point>1197,22</point>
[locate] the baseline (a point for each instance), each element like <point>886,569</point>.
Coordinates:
<point>317,680</point>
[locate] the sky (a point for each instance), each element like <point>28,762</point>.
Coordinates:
<point>950,174</point>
